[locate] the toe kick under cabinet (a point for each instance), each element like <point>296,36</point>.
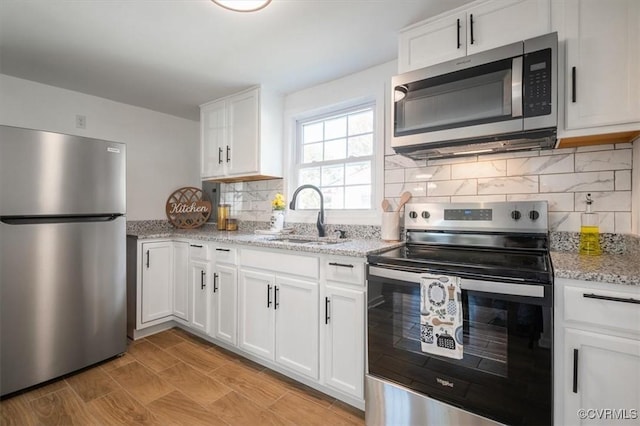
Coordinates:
<point>597,353</point>
<point>302,314</point>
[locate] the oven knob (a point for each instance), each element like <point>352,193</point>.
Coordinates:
<point>426,215</point>
<point>534,215</point>
<point>413,215</point>
<point>516,215</point>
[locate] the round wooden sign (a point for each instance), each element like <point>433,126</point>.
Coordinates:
<point>187,209</point>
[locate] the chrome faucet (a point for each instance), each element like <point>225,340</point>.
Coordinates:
<point>320,221</point>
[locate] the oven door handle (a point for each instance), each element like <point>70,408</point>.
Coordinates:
<point>529,290</point>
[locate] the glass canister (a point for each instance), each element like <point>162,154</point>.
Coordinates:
<point>589,231</point>
<point>223,215</point>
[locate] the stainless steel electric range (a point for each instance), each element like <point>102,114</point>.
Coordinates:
<point>500,252</point>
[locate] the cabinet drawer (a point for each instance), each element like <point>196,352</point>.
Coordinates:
<point>198,250</point>
<point>281,262</point>
<point>604,308</point>
<point>224,254</point>
<point>346,271</point>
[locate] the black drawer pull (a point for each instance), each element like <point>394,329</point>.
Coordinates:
<point>221,249</point>
<point>202,284</point>
<point>219,155</point>
<point>195,245</point>
<point>215,282</point>
<point>575,371</point>
<point>611,299</point>
<point>344,265</point>
<point>268,295</point>
<point>459,45</point>
<point>573,84</point>
<point>326,310</point>
<point>147,259</point>
<point>471,22</point>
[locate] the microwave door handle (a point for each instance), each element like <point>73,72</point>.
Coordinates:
<point>516,87</point>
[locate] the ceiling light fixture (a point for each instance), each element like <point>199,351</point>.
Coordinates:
<point>242,5</point>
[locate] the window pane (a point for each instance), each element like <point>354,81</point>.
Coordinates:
<point>310,176</point>
<point>312,132</point>
<point>335,150</point>
<point>360,146</point>
<point>333,175</point>
<point>357,197</point>
<point>336,128</point>
<point>312,152</point>
<point>308,199</point>
<point>361,122</point>
<point>358,173</point>
<point>333,197</point>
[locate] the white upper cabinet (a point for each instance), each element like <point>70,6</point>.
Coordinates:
<point>241,136</point>
<point>602,60</point>
<point>471,29</point>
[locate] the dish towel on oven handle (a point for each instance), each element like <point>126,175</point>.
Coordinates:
<point>441,315</point>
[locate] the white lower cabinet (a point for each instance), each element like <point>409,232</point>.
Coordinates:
<point>223,324</point>
<point>597,356</point>
<point>279,319</point>
<point>344,339</point>
<point>156,299</point>
<point>199,276</point>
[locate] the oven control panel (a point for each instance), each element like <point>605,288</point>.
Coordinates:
<point>520,216</point>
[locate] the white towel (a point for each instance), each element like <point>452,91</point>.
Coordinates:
<point>441,316</point>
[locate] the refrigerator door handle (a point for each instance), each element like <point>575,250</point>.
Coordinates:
<point>31,220</point>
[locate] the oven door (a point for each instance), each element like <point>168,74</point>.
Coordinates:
<point>506,371</point>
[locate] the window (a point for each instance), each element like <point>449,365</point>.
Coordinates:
<point>335,152</point>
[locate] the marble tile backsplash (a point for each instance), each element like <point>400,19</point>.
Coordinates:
<point>563,177</point>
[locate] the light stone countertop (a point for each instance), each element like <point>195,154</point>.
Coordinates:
<point>347,247</point>
<point>608,268</point>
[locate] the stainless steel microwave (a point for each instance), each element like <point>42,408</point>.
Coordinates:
<point>504,99</point>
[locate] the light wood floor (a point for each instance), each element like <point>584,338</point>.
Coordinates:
<point>175,378</point>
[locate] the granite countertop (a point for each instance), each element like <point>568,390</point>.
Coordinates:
<point>609,268</point>
<point>348,247</point>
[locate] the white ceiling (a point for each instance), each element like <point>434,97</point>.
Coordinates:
<point>173,55</point>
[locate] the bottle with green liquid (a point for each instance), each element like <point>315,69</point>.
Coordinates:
<point>589,231</point>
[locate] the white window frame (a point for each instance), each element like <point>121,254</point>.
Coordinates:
<point>342,216</point>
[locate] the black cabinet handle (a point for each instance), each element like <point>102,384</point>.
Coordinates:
<point>202,284</point>
<point>573,84</point>
<point>275,297</point>
<point>611,299</point>
<point>221,249</point>
<point>459,45</point>
<point>147,259</point>
<point>219,155</point>
<point>471,24</point>
<point>215,282</point>
<point>344,265</point>
<point>195,245</point>
<point>268,295</point>
<point>575,371</point>
<point>326,310</point>
<point>228,153</point>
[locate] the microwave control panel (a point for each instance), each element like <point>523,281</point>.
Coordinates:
<point>537,83</point>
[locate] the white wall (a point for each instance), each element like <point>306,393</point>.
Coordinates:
<point>162,150</point>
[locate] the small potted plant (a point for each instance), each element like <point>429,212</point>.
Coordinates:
<point>277,212</point>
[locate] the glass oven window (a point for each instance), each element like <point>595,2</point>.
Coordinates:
<point>505,373</point>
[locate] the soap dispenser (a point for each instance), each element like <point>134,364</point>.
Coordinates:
<point>589,231</point>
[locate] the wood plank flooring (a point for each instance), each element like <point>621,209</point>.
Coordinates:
<point>175,378</point>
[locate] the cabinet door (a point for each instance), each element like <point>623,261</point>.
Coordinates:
<point>608,372</point>
<point>157,289</point>
<point>241,155</point>
<point>200,300</point>
<point>434,42</point>
<point>344,339</point>
<point>181,280</point>
<point>223,316</point>
<point>296,307</point>
<point>213,140</point>
<point>602,47</point>
<point>256,291</point>
<point>497,23</point>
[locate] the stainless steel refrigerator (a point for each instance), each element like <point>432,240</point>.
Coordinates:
<point>62,255</point>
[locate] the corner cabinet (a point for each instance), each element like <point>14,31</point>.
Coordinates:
<point>241,136</point>
<point>602,62</point>
<point>470,29</point>
<point>597,355</point>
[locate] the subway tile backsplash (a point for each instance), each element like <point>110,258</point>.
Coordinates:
<point>563,177</point>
